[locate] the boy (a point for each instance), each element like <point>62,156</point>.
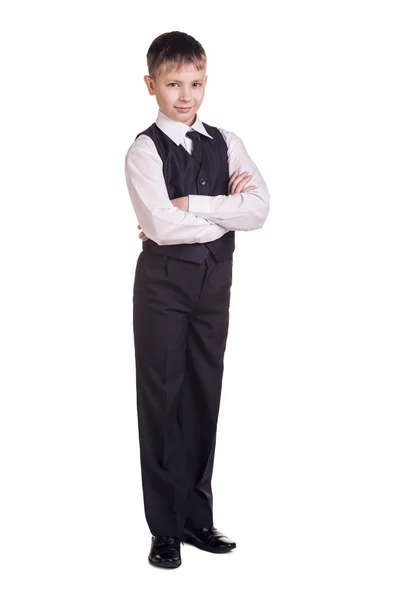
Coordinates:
<point>189,186</point>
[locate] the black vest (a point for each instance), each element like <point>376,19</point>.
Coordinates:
<point>183,176</point>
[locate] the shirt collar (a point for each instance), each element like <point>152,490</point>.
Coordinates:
<point>176,130</point>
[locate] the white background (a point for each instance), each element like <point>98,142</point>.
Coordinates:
<point>306,476</point>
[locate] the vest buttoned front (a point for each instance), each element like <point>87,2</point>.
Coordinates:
<point>183,176</point>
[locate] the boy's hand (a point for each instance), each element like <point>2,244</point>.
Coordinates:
<point>142,235</point>
<point>182,203</point>
<point>237,183</point>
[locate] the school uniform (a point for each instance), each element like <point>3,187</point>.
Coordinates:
<point>181,298</point>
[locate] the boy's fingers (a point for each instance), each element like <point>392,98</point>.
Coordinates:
<point>237,189</point>
<point>232,178</point>
<point>236,181</point>
<point>241,180</point>
<point>235,175</point>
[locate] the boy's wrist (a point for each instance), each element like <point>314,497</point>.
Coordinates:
<point>182,203</point>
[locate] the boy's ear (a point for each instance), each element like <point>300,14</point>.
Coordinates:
<point>149,84</point>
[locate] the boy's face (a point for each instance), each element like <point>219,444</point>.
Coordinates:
<point>179,89</point>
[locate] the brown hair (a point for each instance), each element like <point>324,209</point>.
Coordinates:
<point>173,50</point>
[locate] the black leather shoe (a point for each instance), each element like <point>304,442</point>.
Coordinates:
<point>208,538</point>
<point>165,551</point>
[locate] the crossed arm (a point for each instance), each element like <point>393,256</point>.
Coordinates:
<point>194,218</point>
<point>237,184</point>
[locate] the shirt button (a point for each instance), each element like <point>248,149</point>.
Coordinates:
<point>203,182</point>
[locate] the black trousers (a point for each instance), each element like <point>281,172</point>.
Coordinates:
<point>180,326</point>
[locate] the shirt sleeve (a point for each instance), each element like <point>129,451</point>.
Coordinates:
<point>160,220</point>
<point>241,211</point>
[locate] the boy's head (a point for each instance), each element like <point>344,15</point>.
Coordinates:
<point>177,64</point>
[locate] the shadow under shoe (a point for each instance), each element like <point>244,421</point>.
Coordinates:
<point>165,551</point>
<point>208,538</point>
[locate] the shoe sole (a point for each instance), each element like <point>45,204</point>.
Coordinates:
<point>201,546</point>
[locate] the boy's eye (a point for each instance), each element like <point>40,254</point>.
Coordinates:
<point>196,83</point>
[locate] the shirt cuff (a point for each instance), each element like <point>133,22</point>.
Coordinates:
<point>199,204</point>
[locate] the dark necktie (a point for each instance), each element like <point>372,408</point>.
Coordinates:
<point>197,151</point>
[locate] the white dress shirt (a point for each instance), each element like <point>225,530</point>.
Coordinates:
<point>208,217</point>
